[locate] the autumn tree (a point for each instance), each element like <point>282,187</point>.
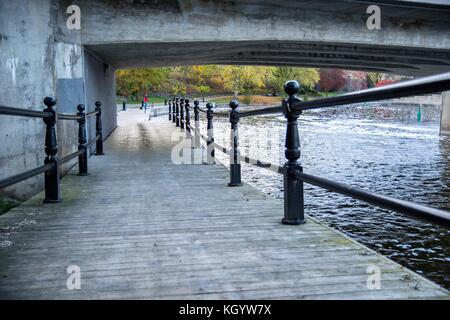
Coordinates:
<point>332,80</point>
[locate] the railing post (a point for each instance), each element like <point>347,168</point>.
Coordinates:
<point>197,124</point>
<point>98,129</point>
<point>235,164</point>
<point>124,105</point>
<point>173,110</point>
<point>293,188</point>
<point>82,140</point>
<point>52,191</point>
<point>195,138</point>
<point>170,109</point>
<point>181,113</point>
<point>210,156</point>
<point>177,106</point>
<point>188,118</point>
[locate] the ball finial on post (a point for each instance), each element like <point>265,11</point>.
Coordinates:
<point>292,87</point>
<point>49,102</point>
<point>98,104</point>
<point>234,104</point>
<point>81,107</point>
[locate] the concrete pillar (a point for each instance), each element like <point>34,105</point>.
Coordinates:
<point>445,114</point>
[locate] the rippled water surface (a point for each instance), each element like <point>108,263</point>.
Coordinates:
<point>404,160</point>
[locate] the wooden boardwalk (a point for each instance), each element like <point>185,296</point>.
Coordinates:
<point>142,227</point>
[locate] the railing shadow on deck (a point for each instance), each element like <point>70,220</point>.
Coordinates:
<point>293,175</point>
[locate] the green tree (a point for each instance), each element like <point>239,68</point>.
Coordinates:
<point>308,77</point>
<point>136,82</point>
<point>243,79</point>
<point>373,78</point>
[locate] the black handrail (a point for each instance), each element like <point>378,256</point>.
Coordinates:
<point>406,207</point>
<point>292,171</point>
<point>51,161</point>
<point>65,116</point>
<point>11,111</point>
<point>91,143</point>
<point>422,212</point>
<point>9,181</point>
<point>92,113</point>
<point>254,162</point>
<point>426,85</point>
<point>70,157</point>
<point>216,114</point>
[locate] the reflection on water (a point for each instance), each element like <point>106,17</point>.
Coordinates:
<point>406,161</point>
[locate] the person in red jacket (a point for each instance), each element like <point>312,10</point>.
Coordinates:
<point>145,103</point>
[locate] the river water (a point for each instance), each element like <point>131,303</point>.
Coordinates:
<point>405,160</point>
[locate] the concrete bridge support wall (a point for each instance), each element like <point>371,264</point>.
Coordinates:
<point>445,115</point>
<point>39,58</point>
<point>26,76</point>
<point>99,82</point>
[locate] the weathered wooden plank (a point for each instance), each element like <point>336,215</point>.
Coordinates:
<point>141,227</point>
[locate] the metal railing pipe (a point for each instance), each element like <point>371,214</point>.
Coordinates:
<point>409,208</point>
<point>70,157</point>
<point>65,116</point>
<point>92,113</point>
<point>11,111</point>
<point>9,181</point>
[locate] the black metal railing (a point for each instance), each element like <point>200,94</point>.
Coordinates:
<point>51,167</point>
<point>292,171</point>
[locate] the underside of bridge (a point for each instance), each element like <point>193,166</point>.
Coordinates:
<point>412,61</point>
<point>413,38</point>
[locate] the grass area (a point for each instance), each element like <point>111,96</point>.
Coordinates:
<point>155,100</point>
<point>7,204</point>
<point>329,94</point>
<point>246,99</point>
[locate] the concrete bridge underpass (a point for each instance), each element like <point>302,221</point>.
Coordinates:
<point>41,56</point>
